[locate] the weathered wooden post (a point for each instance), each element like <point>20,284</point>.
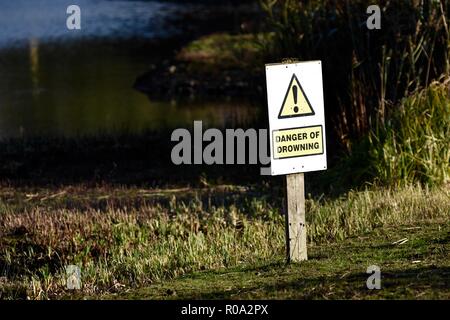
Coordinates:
<point>296,218</point>
<point>297,139</point>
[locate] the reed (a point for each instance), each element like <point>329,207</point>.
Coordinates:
<point>414,145</point>
<point>366,72</point>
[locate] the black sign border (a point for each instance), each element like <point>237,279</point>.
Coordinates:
<point>307,155</point>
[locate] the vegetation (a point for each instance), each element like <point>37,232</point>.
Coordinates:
<point>390,86</point>
<point>122,238</point>
<point>417,267</point>
<point>375,69</point>
<point>225,50</point>
<point>411,147</point>
<point>414,145</point>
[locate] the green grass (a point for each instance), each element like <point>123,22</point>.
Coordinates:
<point>222,50</point>
<point>411,147</point>
<point>417,269</point>
<point>126,238</point>
<point>415,144</point>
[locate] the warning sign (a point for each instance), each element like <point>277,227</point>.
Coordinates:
<point>296,117</point>
<point>297,142</point>
<point>296,103</point>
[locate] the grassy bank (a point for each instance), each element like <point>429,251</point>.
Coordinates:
<point>125,238</point>
<point>418,268</point>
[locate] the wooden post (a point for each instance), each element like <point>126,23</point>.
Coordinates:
<point>295,218</point>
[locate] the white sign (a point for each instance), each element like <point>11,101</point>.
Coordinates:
<point>296,117</point>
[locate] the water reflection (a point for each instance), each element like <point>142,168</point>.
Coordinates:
<point>56,83</point>
<point>34,62</point>
<point>66,90</point>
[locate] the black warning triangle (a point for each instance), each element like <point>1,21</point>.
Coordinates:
<point>296,103</point>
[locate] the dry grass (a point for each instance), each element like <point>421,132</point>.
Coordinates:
<point>125,244</point>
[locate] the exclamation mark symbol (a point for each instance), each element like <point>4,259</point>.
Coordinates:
<point>294,91</point>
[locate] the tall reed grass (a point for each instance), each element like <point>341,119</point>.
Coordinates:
<point>366,72</point>
<point>414,145</point>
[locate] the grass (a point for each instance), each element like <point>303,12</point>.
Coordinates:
<point>414,144</point>
<point>411,147</point>
<point>222,50</point>
<point>417,269</point>
<point>126,238</point>
<point>375,69</point>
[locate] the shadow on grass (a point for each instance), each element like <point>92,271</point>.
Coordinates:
<point>408,283</point>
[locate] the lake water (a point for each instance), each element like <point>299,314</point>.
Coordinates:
<point>59,82</point>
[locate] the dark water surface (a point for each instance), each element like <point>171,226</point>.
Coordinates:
<point>59,82</point>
